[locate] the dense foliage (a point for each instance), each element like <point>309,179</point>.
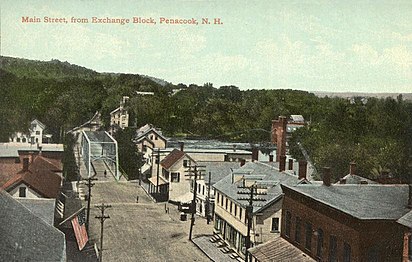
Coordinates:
<point>375,133</point>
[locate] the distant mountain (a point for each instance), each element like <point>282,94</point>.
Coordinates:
<point>406,96</point>
<point>44,69</point>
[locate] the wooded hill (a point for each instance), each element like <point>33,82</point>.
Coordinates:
<point>376,133</point>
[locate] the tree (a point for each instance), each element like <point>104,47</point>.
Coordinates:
<point>130,159</point>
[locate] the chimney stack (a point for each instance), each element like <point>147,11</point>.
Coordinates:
<point>182,146</point>
<point>410,196</point>
<point>303,165</point>
<point>352,168</point>
<point>290,163</point>
<point>242,162</point>
<point>282,163</point>
<point>270,158</point>
<point>326,176</point>
<point>255,154</point>
<point>25,164</point>
<point>279,136</point>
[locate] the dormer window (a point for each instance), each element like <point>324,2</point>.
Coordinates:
<point>22,191</point>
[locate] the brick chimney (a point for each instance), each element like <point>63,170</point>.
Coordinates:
<point>290,163</point>
<point>270,158</point>
<point>279,136</point>
<point>326,176</point>
<point>242,162</point>
<point>255,154</point>
<point>352,168</point>
<point>410,196</point>
<point>182,146</point>
<point>282,163</point>
<point>25,164</point>
<point>303,165</point>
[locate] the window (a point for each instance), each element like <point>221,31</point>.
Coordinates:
<point>235,210</point>
<point>275,224</point>
<point>346,252</point>
<point>333,246</point>
<point>319,247</point>
<point>221,200</point>
<point>175,177</point>
<point>156,138</point>
<point>37,132</point>
<point>288,223</point>
<point>203,190</point>
<point>240,213</point>
<point>297,229</point>
<point>185,163</point>
<point>18,140</point>
<point>22,192</point>
<point>218,197</point>
<point>231,206</point>
<point>227,202</point>
<point>308,238</point>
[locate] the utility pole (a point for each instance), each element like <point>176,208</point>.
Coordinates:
<point>207,209</point>
<point>253,193</point>
<point>157,174</point>
<point>102,218</point>
<point>89,184</point>
<point>193,205</point>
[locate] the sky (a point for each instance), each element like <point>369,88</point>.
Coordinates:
<point>335,46</point>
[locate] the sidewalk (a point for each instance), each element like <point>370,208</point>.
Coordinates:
<point>210,250</point>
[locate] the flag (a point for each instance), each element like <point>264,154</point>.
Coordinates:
<point>79,227</point>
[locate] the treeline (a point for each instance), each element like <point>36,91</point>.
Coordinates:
<point>375,133</point>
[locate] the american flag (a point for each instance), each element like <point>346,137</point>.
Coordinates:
<point>79,227</point>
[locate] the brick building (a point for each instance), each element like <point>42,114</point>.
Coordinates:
<point>345,222</point>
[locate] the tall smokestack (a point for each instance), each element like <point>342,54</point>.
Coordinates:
<point>279,136</point>
<point>282,163</point>
<point>290,163</point>
<point>326,176</point>
<point>352,168</point>
<point>182,146</point>
<point>255,154</point>
<point>302,169</point>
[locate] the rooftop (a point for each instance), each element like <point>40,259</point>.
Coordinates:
<point>406,220</point>
<point>278,249</point>
<point>41,207</point>
<point>40,177</point>
<point>12,149</point>
<point>218,170</point>
<point>386,202</point>
<point>172,158</point>
<point>25,236</point>
<point>261,173</point>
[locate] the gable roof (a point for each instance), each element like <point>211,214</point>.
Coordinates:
<point>95,120</point>
<point>146,129</point>
<point>261,173</point>
<point>172,158</point>
<point>365,202</point>
<point>40,177</point>
<point>25,236</point>
<point>406,220</point>
<point>40,124</point>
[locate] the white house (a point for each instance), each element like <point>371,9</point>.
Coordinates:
<point>34,136</point>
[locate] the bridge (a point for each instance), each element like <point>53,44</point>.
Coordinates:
<point>98,155</point>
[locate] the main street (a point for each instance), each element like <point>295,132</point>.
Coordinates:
<point>141,231</point>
